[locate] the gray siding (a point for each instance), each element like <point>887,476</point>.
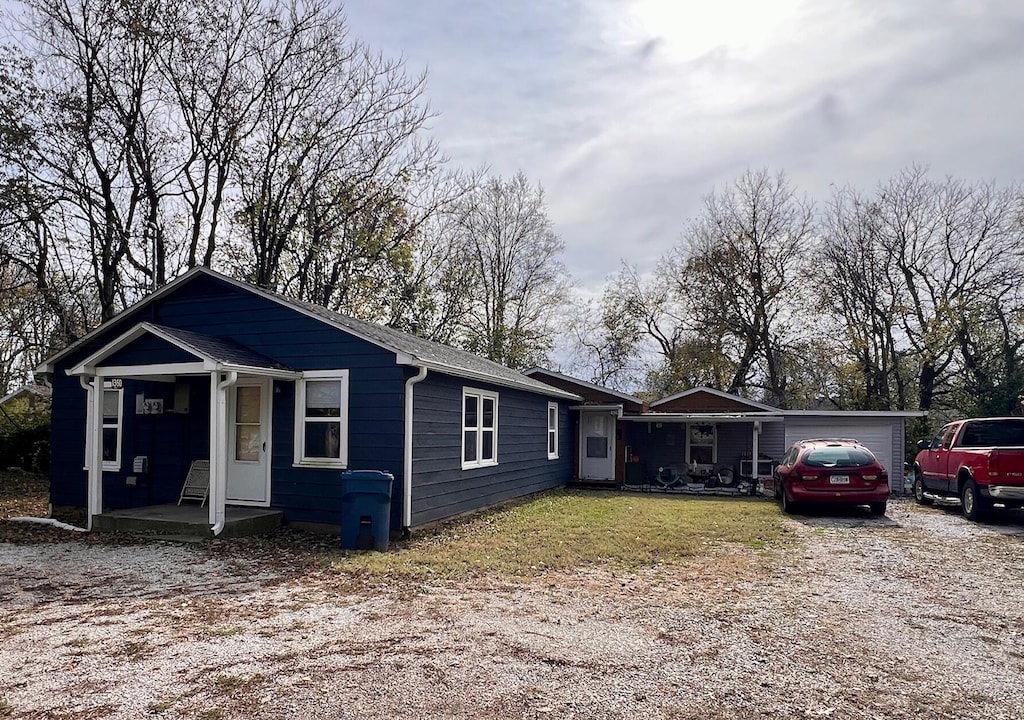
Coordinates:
<point>442,489</point>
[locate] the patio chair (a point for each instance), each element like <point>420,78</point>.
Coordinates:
<point>197,483</point>
<point>667,478</point>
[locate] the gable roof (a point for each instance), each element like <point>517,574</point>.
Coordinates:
<point>583,384</point>
<point>732,399</point>
<point>408,349</point>
<point>43,392</point>
<point>215,353</point>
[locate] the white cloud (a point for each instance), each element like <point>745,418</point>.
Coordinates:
<point>629,112</point>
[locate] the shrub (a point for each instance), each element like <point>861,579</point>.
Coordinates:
<point>25,437</point>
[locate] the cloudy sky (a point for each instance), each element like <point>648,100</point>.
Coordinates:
<point>628,112</point>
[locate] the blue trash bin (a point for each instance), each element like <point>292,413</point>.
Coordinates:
<point>366,509</point>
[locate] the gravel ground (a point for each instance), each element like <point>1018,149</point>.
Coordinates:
<point>916,615</point>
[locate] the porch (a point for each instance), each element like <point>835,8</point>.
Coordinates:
<point>188,521</point>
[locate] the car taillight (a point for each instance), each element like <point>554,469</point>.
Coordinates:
<point>808,477</point>
<point>870,478</point>
<point>993,462</point>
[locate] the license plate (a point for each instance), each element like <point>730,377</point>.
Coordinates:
<point>839,479</point>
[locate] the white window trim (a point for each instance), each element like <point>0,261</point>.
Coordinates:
<point>114,464</point>
<point>552,455</point>
<point>480,395</point>
<point>92,436</point>
<point>299,459</point>
<point>714,442</point>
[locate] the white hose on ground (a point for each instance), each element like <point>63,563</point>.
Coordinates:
<point>49,521</point>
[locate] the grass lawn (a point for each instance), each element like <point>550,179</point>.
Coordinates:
<point>568,529</point>
<point>556,531</point>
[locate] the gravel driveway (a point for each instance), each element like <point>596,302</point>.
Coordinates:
<point>916,615</point>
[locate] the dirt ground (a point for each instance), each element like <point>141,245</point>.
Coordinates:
<point>916,615</point>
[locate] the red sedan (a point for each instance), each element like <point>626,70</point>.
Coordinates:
<point>831,471</point>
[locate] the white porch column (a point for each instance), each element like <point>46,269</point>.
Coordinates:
<point>755,451</point>
<point>94,446</point>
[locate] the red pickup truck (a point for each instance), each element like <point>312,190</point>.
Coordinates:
<point>978,463</point>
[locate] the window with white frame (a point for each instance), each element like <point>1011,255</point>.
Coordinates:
<point>110,428</point>
<point>111,434</point>
<point>321,418</point>
<point>479,428</point>
<point>552,431</point>
<point>702,447</point>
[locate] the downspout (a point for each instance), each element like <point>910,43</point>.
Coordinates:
<point>93,499</point>
<point>407,461</point>
<point>218,482</point>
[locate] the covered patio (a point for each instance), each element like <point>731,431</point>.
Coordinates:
<point>216,407</point>
<point>701,452</point>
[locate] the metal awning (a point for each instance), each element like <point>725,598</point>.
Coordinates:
<point>696,417</point>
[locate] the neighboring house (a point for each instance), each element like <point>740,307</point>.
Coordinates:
<point>281,397</point>
<point>31,396</point>
<point>701,431</point>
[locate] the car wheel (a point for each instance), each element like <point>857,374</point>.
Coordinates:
<point>973,505</point>
<point>918,487</point>
<point>878,508</point>
<point>788,506</point>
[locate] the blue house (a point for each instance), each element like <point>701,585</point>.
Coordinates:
<point>281,397</point>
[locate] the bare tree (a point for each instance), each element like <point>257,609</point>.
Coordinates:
<point>251,133</point>
<point>861,292</point>
<point>511,252</point>
<point>951,244</point>
<point>739,269</point>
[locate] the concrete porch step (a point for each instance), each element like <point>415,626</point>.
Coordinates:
<point>187,521</point>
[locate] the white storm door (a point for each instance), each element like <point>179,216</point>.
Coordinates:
<point>597,445</point>
<point>248,443</point>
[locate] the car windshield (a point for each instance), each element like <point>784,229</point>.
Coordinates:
<point>838,457</point>
<point>993,433</point>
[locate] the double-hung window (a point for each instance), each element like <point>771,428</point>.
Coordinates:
<point>479,428</point>
<point>112,399</point>
<point>321,418</point>
<point>552,431</point>
<point>112,404</point>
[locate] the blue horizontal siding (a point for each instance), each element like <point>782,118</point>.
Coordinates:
<point>375,423</point>
<point>442,489</point>
<point>149,350</point>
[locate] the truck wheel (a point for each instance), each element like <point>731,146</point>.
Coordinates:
<point>878,508</point>
<point>973,505</point>
<point>918,487</point>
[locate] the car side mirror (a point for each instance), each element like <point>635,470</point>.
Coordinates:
<point>923,444</point>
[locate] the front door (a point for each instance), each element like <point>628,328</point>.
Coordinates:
<point>597,445</point>
<point>248,481</point>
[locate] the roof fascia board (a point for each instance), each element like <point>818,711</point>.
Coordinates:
<point>704,417</point>
<point>481,377</point>
<point>165,369</point>
<point>583,383</point>
<point>856,413</point>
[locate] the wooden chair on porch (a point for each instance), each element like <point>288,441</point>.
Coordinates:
<point>197,483</point>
